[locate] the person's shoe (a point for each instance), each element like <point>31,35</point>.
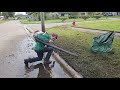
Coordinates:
<point>53,64</point>
<point>26,63</point>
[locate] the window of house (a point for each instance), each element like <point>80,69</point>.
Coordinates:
<point>62,14</point>
<point>82,13</point>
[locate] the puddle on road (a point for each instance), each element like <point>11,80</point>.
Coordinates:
<point>38,70</point>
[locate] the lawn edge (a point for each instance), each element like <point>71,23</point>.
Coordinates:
<point>95,29</point>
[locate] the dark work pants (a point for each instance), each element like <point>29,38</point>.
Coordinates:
<point>40,54</point>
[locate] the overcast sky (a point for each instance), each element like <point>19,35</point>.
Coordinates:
<point>24,13</point>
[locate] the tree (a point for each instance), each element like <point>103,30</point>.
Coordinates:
<point>35,15</point>
<point>5,14</point>
<point>0,13</point>
<point>8,14</point>
<point>11,14</point>
<point>85,17</point>
<point>48,16</point>
<point>91,14</point>
<point>51,15</point>
<point>97,15</point>
<point>63,18</point>
<point>74,15</point>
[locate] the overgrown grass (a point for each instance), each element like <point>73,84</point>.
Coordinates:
<point>88,64</point>
<point>112,25</point>
<point>25,21</point>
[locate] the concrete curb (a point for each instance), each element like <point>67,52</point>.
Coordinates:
<point>69,69</point>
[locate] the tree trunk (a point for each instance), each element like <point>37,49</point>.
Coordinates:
<point>38,16</point>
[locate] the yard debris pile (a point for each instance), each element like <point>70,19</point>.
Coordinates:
<point>103,43</point>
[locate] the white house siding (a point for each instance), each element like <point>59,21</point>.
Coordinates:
<point>113,13</point>
<point>24,16</point>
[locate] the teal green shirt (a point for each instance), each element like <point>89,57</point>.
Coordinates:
<point>44,37</point>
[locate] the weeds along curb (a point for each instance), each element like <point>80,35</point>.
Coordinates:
<point>69,69</point>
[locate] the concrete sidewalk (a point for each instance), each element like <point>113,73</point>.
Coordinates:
<point>92,31</point>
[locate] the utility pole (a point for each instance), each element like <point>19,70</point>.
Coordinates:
<point>42,21</point>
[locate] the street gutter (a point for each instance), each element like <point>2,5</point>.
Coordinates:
<point>68,68</point>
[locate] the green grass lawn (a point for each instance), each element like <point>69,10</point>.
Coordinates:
<point>102,25</point>
<point>114,16</point>
<point>25,21</point>
<point>2,21</point>
<point>88,64</point>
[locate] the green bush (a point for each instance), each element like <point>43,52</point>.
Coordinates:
<point>85,17</point>
<point>63,18</point>
<point>97,16</point>
<point>71,17</point>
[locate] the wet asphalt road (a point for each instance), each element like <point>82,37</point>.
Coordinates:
<point>15,46</point>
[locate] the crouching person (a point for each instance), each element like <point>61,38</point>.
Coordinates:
<point>41,48</point>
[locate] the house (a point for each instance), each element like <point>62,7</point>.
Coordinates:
<point>104,13</point>
<point>63,14</point>
<point>111,14</point>
<point>83,13</point>
<point>1,17</point>
<point>21,16</point>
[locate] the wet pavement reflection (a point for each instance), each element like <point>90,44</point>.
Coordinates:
<point>38,69</point>
<point>44,70</point>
